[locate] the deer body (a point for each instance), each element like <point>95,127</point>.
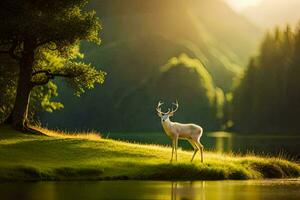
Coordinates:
<point>176,131</point>
<point>183,131</point>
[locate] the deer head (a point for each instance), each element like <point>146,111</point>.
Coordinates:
<point>165,115</point>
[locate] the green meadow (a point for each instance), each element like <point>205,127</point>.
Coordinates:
<point>87,156</point>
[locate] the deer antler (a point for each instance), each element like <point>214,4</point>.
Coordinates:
<point>173,111</point>
<point>158,109</point>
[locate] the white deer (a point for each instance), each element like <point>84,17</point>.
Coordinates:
<point>175,131</point>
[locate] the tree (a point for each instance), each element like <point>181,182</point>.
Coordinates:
<point>268,97</point>
<point>40,98</point>
<point>43,38</point>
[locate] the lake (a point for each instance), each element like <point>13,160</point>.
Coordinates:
<point>287,145</point>
<point>200,190</point>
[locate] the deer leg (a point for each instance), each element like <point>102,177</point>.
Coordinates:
<point>200,146</point>
<point>202,153</point>
<point>195,149</point>
<point>173,144</point>
<point>176,146</point>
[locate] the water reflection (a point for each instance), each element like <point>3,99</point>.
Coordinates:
<point>223,141</point>
<point>199,190</point>
<point>281,144</point>
<point>186,191</point>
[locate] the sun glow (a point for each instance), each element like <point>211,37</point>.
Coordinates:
<point>242,4</point>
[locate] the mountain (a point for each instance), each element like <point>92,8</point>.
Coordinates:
<point>208,30</point>
<point>138,38</point>
<point>270,13</point>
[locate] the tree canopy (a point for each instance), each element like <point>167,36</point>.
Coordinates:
<point>43,38</point>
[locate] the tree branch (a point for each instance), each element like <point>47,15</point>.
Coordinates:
<point>46,72</point>
<point>42,82</point>
<point>66,75</point>
<point>11,51</point>
<point>12,54</point>
<point>39,83</point>
<point>50,76</point>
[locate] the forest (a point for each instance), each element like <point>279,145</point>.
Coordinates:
<point>268,96</point>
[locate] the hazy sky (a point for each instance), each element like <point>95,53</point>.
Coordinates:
<point>268,13</point>
<point>241,4</point>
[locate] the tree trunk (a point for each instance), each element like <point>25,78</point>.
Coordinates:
<point>18,117</point>
<point>20,110</point>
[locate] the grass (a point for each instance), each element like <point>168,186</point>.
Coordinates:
<point>87,156</point>
<point>76,135</point>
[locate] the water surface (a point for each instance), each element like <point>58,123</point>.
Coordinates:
<point>198,190</point>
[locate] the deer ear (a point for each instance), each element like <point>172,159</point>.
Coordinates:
<point>171,114</point>
<point>159,114</point>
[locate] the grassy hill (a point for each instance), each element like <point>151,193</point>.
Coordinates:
<point>61,156</point>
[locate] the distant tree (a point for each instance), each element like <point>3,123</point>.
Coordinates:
<point>293,85</point>
<point>43,38</point>
<point>244,102</point>
<point>268,97</point>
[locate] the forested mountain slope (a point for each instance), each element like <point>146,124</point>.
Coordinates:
<point>138,38</point>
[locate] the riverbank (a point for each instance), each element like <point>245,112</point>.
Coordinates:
<point>89,157</point>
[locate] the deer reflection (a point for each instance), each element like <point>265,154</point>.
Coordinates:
<point>188,190</point>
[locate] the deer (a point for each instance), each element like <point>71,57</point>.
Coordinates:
<point>175,131</point>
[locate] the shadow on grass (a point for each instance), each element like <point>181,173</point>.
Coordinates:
<point>275,170</point>
<point>29,173</point>
<point>64,173</point>
<point>191,172</point>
